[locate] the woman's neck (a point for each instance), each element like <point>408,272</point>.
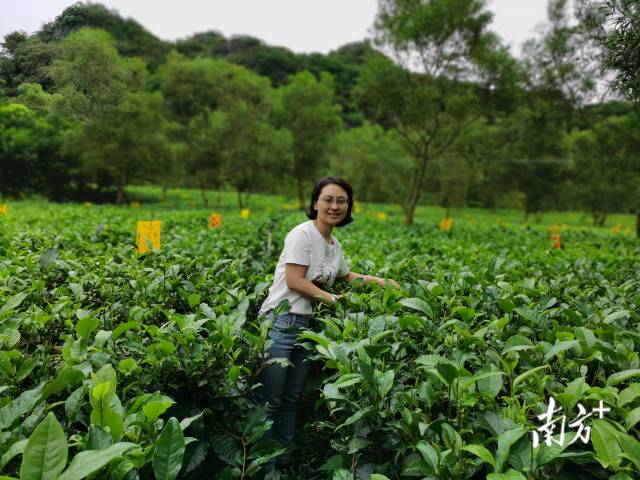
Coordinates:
<point>324,229</point>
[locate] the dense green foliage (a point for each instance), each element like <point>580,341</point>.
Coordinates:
<point>463,121</point>
<point>143,366</point>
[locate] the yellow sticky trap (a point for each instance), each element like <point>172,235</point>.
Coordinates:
<point>556,242</point>
<point>446,224</point>
<point>381,216</point>
<point>215,220</point>
<point>148,236</point>
<point>244,213</point>
<point>4,209</point>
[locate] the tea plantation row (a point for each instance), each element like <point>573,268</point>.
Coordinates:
<point>122,366</point>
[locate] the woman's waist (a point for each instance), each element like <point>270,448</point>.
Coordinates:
<point>291,319</point>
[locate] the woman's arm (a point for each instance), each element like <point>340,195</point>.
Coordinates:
<point>296,280</point>
<point>351,276</point>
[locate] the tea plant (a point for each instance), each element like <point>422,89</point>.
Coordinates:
<point>118,365</point>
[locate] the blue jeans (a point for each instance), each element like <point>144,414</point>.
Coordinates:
<point>282,386</point>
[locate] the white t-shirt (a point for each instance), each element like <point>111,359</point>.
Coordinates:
<point>305,245</point>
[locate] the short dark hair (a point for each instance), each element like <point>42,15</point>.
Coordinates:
<point>312,213</point>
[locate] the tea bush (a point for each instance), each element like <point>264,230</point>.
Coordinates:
<point>118,365</point>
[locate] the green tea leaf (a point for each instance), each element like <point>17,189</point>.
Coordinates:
<point>86,325</point>
<point>48,257</point>
<point>559,347</point>
<point>169,451</point>
<point>417,304</point>
<point>13,302</point>
<point>448,370</point>
<point>21,405</point>
<point>156,407</point>
<point>620,377</point>
<point>522,377</point>
<point>90,461</point>
<point>629,394</point>
<point>480,452</point>
<point>516,343</point>
<point>13,451</point>
<point>319,339</point>
<point>605,443</point>
<point>508,475</point>
<point>633,417</point>
<point>45,453</point>
<point>505,440</point>
<point>356,416</point>
<point>429,455</point>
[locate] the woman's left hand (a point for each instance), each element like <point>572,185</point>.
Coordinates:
<point>382,282</point>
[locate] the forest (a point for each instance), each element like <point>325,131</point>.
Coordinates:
<point>445,115</point>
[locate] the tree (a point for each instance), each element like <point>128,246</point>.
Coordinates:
<point>25,59</point>
<point>92,75</point>
<point>446,40</point>
<point>33,96</point>
<point>129,145</point>
<point>195,86</point>
<point>564,59</point>
<point>256,154</point>
<point>616,25</point>
<point>204,137</point>
<point>605,165</point>
<point>120,129</point>
<point>130,38</point>
<point>229,111</point>
<point>30,161</point>
<point>373,160</point>
<point>313,120</point>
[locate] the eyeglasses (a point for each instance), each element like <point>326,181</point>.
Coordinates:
<point>340,201</point>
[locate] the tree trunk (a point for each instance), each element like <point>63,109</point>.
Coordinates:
<point>598,218</point>
<point>603,219</point>
<point>120,195</point>
<point>205,198</point>
<point>218,199</point>
<point>163,193</point>
<point>240,199</point>
<point>416,187</point>
<point>121,184</point>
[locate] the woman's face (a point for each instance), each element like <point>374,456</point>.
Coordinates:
<point>332,204</point>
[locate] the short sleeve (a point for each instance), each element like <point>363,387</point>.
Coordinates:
<point>297,248</point>
<point>343,268</point>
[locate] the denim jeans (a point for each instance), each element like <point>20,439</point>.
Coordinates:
<point>282,386</point>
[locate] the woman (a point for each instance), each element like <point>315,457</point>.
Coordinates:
<point>310,261</point>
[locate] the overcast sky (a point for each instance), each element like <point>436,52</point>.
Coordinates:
<point>300,25</point>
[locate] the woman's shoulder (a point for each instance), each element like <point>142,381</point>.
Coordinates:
<point>301,230</point>
<point>305,227</point>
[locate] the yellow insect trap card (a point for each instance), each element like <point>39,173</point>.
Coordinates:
<point>148,236</point>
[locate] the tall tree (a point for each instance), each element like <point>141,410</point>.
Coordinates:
<point>30,161</point>
<point>119,126</point>
<point>616,25</point>
<point>25,58</point>
<point>374,161</point>
<point>448,43</point>
<point>312,118</point>
<point>604,162</point>
<point>563,61</point>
